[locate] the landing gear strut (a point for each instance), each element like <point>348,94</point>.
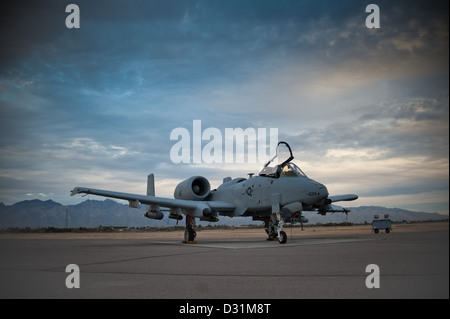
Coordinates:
<point>190,233</point>
<point>274,228</point>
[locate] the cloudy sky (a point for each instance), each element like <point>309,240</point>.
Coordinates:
<point>365,110</point>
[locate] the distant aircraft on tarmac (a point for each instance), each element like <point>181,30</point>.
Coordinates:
<point>277,195</point>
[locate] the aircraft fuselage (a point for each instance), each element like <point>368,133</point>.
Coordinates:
<point>259,193</point>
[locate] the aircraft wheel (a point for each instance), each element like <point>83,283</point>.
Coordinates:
<point>189,235</point>
<point>375,231</point>
<point>282,238</point>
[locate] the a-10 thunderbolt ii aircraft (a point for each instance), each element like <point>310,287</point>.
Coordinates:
<point>277,195</point>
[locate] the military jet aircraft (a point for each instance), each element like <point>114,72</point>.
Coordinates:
<point>279,194</point>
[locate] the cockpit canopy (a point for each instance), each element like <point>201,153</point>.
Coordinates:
<point>291,170</point>
<point>280,165</point>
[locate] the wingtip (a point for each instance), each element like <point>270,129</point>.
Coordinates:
<point>74,191</point>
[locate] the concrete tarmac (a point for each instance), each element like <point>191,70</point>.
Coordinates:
<point>411,265</point>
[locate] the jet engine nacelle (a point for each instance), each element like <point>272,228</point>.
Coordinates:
<point>194,188</point>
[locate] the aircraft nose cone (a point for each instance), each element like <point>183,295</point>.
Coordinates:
<point>323,191</point>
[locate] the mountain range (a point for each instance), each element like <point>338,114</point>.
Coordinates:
<point>93,213</point>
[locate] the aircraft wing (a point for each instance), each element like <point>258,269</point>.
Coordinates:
<point>339,198</point>
<point>329,208</point>
<point>195,208</point>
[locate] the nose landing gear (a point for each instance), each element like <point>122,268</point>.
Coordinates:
<point>274,228</point>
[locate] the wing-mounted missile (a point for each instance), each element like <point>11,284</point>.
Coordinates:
<point>327,207</point>
<point>175,213</point>
<point>332,209</point>
<point>154,215</point>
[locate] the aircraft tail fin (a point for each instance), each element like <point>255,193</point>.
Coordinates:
<point>151,192</point>
<point>151,185</point>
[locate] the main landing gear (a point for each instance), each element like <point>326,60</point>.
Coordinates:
<point>190,233</point>
<point>274,228</point>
